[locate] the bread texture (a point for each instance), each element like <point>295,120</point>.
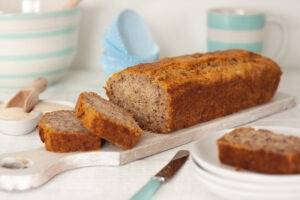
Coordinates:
<point>108,121</point>
<point>179,92</point>
<point>61,131</point>
<point>261,151</point>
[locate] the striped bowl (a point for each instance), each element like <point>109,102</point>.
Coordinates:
<point>36,44</point>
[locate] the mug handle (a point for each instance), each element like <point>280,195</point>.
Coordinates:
<point>281,25</point>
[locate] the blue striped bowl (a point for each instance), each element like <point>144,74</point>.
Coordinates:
<point>37,44</point>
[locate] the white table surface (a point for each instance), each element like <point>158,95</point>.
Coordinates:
<point>115,183</point>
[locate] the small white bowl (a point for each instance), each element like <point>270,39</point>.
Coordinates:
<point>23,127</point>
<point>20,127</point>
<point>36,44</point>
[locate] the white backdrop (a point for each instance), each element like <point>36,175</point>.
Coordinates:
<point>179,26</point>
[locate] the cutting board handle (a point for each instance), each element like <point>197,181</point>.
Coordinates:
<point>29,169</point>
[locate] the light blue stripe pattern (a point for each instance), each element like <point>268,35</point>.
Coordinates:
<point>35,75</point>
<point>31,35</point>
<point>217,45</point>
<point>235,21</point>
<point>40,15</point>
<point>21,58</point>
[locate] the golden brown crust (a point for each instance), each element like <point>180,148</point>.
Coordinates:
<point>62,140</point>
<point>259,160</point>
<point>100,125</point>
<point>201,87</point>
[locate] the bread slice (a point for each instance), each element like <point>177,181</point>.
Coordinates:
<point>61,131</point>
<point>260,151</point>
<point>179,92</point>
<point>107,120</point>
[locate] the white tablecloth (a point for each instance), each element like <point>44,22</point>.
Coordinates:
<point>115,183</point>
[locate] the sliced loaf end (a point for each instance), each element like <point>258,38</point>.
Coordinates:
<point>61,131</point>
<point>107,120</point>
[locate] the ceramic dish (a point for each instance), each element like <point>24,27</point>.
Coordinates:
<point>235,193</point>
<point>36,44</point>
<point>205,152</point>
<point>244,185</point>
<point>22,127</point>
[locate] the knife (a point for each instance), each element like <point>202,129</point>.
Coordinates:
<point>166,173</point>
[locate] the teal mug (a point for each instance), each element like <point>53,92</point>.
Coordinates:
<point>232,28</point>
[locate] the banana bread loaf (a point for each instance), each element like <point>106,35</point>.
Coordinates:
<point>108,121</point>
<point>178,92</point>
<point>260,151</point>
<point>61,131</point>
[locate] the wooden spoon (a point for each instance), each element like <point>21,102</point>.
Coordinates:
<point>72,3</point>
<point>28,97</point>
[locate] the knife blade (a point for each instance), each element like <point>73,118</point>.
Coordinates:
<point>165,174</point>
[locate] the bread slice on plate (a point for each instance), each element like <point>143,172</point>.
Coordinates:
<point>260,150</point>
<point>61,131</point>
<point>108,121</point>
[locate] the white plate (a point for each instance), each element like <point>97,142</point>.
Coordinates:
<point>205,153</point>
<point>62,103</point>
<point>249,186</point>
<point>234,193</point>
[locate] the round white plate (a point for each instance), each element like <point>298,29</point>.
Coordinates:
<point>205,153</point>
<point>234,193</point>
<point>249,186</point>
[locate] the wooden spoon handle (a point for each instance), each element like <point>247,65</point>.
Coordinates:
<point>39,85</point>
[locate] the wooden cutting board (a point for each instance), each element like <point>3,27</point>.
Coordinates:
<point>35,167</point>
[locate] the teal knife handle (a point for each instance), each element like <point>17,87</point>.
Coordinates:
<point>148,190</point>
